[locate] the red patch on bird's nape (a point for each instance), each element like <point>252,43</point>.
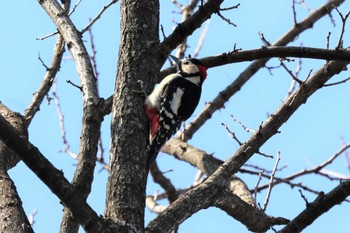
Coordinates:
<point>202,71</point>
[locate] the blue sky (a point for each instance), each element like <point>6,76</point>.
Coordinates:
<point>310,137</point>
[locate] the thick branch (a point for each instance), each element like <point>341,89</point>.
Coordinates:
<point>8,158</point>
<point>207,164</point>
<point>91,121</point>
<point>246,214</point>
<point>245,76</point>
<point>12,215</point>
<point>267,53</point>
<point>52,177</point>
<point>321,205</point>
<point>232,165</point>
<point>186,28</point>
<point>76,46</point>
<point>202,197</point>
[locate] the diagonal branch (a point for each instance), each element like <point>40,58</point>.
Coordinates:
<point>198,198</point>
<point>52,177</point>
<point>46,84</point>
<point>319,206</point>
<point>245,76</point>
<point>76,46</point>
<point>207,164</point>
<point>92,117</point>
<point>186,28</point>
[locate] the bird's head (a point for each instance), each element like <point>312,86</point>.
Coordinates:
<point>191,67</point>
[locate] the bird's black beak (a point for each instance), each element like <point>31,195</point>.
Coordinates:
<point>175,59</point>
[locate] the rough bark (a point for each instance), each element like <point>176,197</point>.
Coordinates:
<point>12,215</point>
<point>8,158</point>
<point>194,198</point>
<point>319,206</point>
<point>253,68</point>
<point>92,117</point>
<point>207,164</point>
<point>53,178</point>
<point>129,132</point>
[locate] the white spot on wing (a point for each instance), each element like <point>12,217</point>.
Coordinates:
<point>168,114</point>
<point>176,101</point>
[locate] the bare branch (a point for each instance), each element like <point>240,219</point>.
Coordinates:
<point>337,83</point>
<point>315,170</point>
<point>61,121</point>
<point>271,180</point>
<point>269,128</point>
<point>303,197</point>
<point>98,16</point>
<point>294,12</point>
<point>231,89</point>
<point>319,206</point>
<point>230,8</point>
<point>74,85</point>
<point>233,135</point>
<point>42,62</point>
<point>52,177</point>
<point>243,126</point>
<point>74,7</point>
<point>93,53</point>
<point>46,84</point>
<point>164,182</point>
<point>225,19</point>
<point>186,28</point>
<point>343,19</point>
<point>201,39</point>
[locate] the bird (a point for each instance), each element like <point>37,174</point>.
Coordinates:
<point>171,102</point>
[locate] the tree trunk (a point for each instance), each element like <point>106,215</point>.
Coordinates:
<point>129,131</point>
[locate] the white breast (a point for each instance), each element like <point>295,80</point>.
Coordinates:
<point>154,98</point>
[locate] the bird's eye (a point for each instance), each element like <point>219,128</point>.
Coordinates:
<point>186,62</point>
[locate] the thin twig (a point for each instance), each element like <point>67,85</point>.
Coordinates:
<point>74,7</point>
<point>343,19</point>
<point>61,121</point>
<point>98,16</point>
<point>271,181</point>
<point>328,38</point>
<point>225,19</point>
<point>257,185</point>
<point>201,39</point>
<point>304,198</point>
<point>93,53</point>
<point>294,12</point>
<point>233,135</point>
<point>42,62</point>
<point>230,8</point>
<point>264,40</point>
<point>47,36</point>
<point>243,126</point>
<point>74,85</point>
<point>337,83</point>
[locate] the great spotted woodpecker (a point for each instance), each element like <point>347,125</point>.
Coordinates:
<point>172,102</point>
